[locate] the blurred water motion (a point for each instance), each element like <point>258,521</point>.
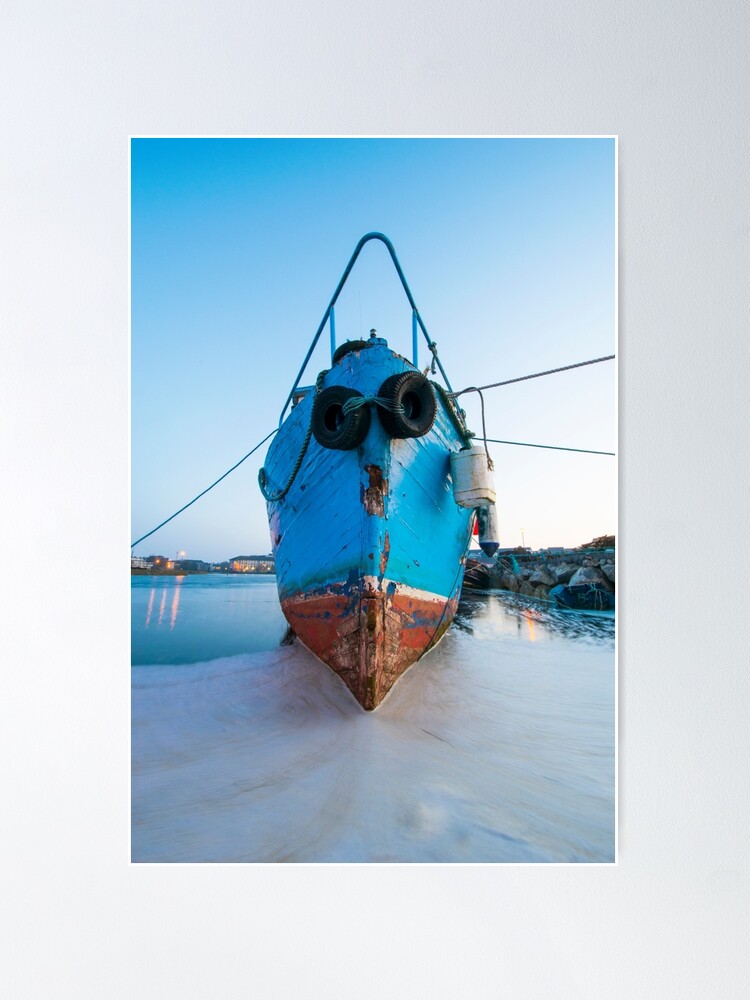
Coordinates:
<point>498,746</point>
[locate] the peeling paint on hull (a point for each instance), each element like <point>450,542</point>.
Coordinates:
<point>369,543</point>
<point>369,637</point>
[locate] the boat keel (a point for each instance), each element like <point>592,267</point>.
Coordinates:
<point>369,635</point>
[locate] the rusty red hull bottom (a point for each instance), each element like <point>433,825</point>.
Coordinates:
<point>369,636</point>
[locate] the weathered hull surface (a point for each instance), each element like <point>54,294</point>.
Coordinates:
<point>369,635</point>
<point>369,543</point>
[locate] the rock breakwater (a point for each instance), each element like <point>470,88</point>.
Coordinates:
<point>534,574</point>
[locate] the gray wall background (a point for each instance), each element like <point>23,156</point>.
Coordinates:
<point>672,81</point>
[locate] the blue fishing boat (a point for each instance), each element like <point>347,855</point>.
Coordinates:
<point>371,485</point>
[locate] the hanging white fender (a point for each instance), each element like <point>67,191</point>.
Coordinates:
<point>473,477</point>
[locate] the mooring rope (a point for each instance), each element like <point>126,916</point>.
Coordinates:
<point>490,463</point>
<point>525,378</point>
<point>554,447</point>
<point>275,496</point>
<point>457,415</point>
<point>236,464</point>
<point>357,402</point>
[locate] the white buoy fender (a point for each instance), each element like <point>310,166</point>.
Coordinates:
<point>473,478</point>
<point>489,534</point>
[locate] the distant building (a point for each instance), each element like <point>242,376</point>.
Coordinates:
<point>252,564</point>
<point>138,562</point>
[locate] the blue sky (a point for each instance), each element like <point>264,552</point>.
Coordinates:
<point>237,246</point>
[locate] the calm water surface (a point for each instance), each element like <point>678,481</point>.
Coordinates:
<point>186,619</point>
<point>498,746</point>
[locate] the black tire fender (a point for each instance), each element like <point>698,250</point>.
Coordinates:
<point>331,427</point>
<point>414,398</point>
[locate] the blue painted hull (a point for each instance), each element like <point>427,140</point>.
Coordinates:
<point>369,543</point>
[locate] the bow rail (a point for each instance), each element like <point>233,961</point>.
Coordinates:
<point>329,315</point>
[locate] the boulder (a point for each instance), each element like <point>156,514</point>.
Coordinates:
<point>526,589</point>
<point>609,571</point>
<point>563,572</point>
<point>542,592</point>
<point>543,576</point>
<point>509,581</point>
<point>591,575</point>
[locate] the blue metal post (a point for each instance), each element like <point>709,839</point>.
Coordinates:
<point>333,333</point>
<point>414,337</point>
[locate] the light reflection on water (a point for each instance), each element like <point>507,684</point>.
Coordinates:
<point>504,613</point>
<point>162,606</point>
<point>188,619</point>
<point>150,607</point>
<point>175,601</point>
